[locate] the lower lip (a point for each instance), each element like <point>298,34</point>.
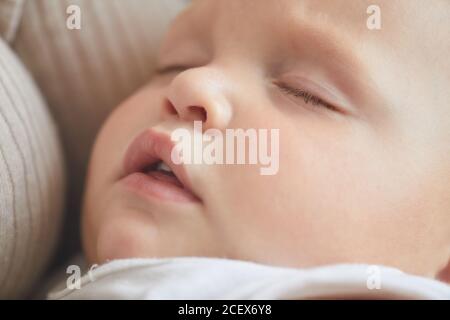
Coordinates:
<point>151,187</point>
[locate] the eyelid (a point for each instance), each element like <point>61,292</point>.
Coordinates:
<point>319,91</point>
<point>300,93</point>
<point>171,68</point>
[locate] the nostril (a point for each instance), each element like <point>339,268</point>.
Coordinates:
<point>198,113</point>
<point>170,108</point>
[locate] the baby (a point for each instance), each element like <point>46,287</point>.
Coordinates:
<point>364,140</point>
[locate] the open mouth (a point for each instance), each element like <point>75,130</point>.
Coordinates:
<point>149,169</point>
<point>161,171</point>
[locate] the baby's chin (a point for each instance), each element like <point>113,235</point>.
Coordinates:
<point>121,237</point>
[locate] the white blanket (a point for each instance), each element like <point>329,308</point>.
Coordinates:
<point>208,278</point>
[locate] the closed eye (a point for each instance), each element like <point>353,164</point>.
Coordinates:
<point>171,69</point>
<point>306,96</point>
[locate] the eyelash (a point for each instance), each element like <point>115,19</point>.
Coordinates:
<point>305,95</point>
<point>169,69</point>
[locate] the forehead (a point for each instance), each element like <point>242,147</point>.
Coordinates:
<point>271,13</point>
<point>402,20</point>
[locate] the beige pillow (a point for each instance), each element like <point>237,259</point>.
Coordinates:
<point>31,180</point>
<point>85,73</point>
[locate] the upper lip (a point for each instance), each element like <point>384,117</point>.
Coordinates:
<point>147,149</point>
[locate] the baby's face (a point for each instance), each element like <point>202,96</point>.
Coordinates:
<point>364,167</point>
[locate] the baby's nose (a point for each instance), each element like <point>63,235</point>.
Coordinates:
<point>200,94</point>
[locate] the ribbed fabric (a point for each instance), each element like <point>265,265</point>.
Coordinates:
<point>31,179</point>
<point>85,73</point>
<point>10,16</point>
